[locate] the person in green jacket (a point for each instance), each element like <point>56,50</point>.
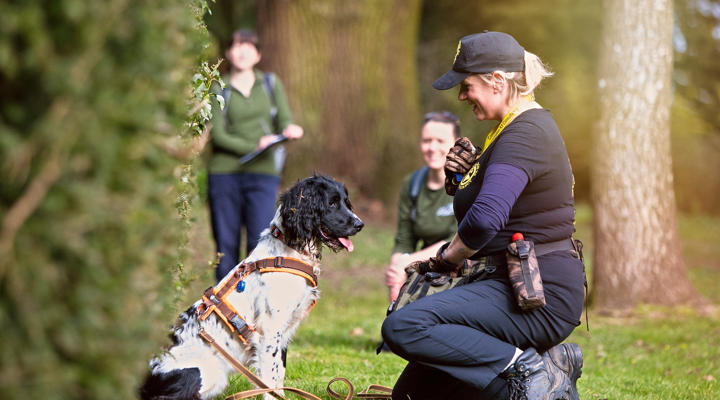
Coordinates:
<point>425,214</point>
<point>245,194</point>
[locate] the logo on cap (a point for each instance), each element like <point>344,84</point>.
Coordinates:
<point>457,51</point>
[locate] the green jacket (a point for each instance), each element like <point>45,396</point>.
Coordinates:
<point>237,130</point>
<point>434,221</point>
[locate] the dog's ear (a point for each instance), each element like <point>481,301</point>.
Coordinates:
<point>301,212</point>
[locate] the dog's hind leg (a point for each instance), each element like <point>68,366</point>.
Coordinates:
<point>177,384</point>
<point>214,377</point>
<point>190,359</point>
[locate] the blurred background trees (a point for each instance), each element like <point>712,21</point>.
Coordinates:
<point>696,101</point>
<point>351,69</point>
<point>566,34</point>
<point>92,244</point>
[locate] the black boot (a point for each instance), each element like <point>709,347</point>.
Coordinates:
<point>534,377</point>
<point>567,357</point>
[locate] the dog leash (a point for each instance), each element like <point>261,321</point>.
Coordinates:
<point>237,365</point>
<point>263,388</point>
<point>365,394</point>
<point>386,392</point>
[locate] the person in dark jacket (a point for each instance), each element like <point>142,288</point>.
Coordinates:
<point>245,195</point>
<point>474,341</point>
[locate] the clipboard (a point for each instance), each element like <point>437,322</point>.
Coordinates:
<point>250,156</point>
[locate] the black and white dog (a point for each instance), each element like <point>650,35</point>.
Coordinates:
<point>314,212</point>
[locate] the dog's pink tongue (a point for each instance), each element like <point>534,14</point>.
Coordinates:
<point>347,243</point>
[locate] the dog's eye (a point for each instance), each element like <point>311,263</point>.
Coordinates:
<point>334,202</point>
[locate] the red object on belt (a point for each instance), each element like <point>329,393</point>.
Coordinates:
<point>517,236</point>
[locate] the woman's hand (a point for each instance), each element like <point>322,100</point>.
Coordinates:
<point>395,274</point>
<point>293,131</point>
<point>459,160</point>
<point>265,141</point>
<point>456,252</point>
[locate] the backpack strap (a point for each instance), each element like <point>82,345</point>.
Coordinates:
<point>225,93</point>
<point>269,87</point>
<point>416,181</point>
<point>268,84</point>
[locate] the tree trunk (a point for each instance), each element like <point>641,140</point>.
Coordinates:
<point>637,256</point>
<point>350,71</point>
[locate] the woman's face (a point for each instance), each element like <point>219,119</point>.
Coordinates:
<point>243,55</point>
<point>486,100</point>
<point>436,139</point>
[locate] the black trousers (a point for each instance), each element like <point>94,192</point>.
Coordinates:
<point>464,337</point>
<point>237,200</point>
<point>420,382</point>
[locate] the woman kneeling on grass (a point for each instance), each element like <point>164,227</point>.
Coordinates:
<point>474,341</point>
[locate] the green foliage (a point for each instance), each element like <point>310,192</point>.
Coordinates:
<point>92,92</point>
<point>653,353</point>
<point>202,92</point>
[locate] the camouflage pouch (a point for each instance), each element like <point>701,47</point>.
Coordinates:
<point>524,275</point>
<point>419,285</point>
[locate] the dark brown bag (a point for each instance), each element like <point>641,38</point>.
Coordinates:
<point>524,274</point>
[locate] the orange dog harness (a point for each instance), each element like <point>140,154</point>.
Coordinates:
<point>213,299</point>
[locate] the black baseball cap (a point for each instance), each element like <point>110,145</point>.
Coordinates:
<point>480,53</point>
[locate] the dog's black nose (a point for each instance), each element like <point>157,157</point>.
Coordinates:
<point>358,224</point>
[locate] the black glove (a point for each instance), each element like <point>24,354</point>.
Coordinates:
<point>459,160</point>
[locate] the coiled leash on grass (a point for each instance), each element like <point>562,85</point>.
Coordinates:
<point>385,392</point>
<point>264,388</point>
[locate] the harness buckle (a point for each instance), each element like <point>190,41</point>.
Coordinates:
<point>240,325</point>
<point>278,262</point>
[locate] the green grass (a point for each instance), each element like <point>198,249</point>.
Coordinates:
<point>656,353</point>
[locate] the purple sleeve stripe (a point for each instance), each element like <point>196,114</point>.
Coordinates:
<point>490,211</point>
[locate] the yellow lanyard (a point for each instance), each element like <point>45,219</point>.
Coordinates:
<point>525,102</point>
<point>506,120</point>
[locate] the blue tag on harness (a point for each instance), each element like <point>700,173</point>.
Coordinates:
<point>240,286</point>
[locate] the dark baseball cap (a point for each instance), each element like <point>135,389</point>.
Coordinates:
<point>480,53</point>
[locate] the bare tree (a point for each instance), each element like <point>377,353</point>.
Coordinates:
<point>637,256</point>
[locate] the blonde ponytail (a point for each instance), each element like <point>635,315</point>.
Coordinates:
<point>535,72</point>
<point>522,83</point>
